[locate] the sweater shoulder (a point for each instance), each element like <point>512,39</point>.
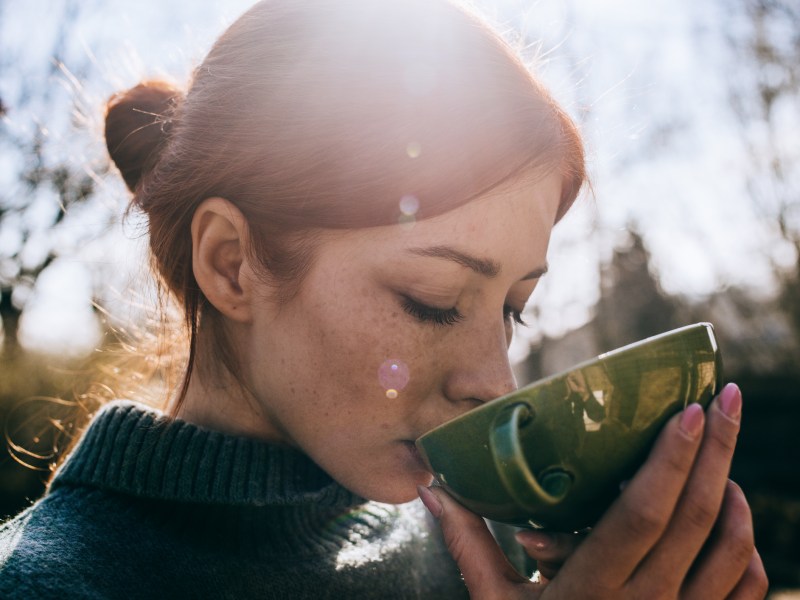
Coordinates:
<point>27,554</point>
<point>45,552</point>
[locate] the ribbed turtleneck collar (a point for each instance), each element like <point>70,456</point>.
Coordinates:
<point>135,450</point>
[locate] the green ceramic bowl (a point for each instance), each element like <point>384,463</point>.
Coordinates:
<point>553,454</point>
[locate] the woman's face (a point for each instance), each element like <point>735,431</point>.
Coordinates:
<point>397,329</point>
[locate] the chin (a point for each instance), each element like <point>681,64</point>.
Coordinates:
<point>395,491</point>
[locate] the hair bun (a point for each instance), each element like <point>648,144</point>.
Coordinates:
<point>137,126</point>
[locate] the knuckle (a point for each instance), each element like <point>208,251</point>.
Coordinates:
<point>724,436</point>
<point>644,521</point>
<point>741,545</point>
<point>736,544</point>
<point>738,527</point>
<point>680,461</point>
<point>700,513</point>
<point>724,442</point>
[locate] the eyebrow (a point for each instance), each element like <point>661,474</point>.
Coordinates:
<point>483,266</point>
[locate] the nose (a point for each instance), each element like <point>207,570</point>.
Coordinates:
<point>479,368</point>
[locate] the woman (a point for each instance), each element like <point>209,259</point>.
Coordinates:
<point>352,204</point>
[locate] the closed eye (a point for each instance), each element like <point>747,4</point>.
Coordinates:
<point>430,314</point>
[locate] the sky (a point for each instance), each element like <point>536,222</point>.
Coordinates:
<point>649,84</point>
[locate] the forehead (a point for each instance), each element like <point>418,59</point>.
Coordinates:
<point>512,221</point>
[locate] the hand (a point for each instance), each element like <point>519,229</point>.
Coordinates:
<point>550,549</point>
<point>679,529</point>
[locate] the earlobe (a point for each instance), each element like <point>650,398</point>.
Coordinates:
<point>219,260</point>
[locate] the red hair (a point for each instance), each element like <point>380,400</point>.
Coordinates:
<point>312,114</point>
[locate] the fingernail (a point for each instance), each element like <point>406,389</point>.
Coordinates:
<point>730,401</point>
<point>692,420</point>
<point>430,501</point>
<point>535,539</point>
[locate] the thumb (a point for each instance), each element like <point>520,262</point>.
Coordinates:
<point>487,573</point>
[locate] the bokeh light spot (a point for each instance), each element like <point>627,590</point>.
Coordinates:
<point>414,149</point>
<point>393,375</point>
<point>409,205</point>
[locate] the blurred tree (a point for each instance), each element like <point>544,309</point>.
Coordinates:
<point>632,304</point>
<point>765,95</point>
<point>43,176</point>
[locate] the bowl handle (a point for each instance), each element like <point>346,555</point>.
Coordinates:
<point>518,480</point>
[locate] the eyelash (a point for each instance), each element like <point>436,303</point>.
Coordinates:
<point>430,314</point>
<point>514,315</point>
<point>450,316</point>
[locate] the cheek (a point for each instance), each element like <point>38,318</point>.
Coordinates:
<point>376,349</point>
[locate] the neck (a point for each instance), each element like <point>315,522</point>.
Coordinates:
<point>218,399</point>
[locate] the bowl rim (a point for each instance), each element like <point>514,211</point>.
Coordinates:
<point>632,347</point>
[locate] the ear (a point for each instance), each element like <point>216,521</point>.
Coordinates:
<point>219,261</point>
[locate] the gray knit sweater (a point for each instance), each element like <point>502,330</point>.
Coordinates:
<point>150,507</point>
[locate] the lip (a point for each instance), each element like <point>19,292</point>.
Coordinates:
<point>414,455</point>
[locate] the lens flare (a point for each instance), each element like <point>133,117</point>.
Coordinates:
<point>414,149</point>
<point>409,205</point>
<point>393,375</point>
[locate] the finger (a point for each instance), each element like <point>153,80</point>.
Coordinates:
<point>549,549</point>
<point>638,518</point>
<point>549,546</point>
<point>700,503</point>
<point>754,585</point>
<point>729,551</point>
<point>548,571</point>
<point>487,572</point>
